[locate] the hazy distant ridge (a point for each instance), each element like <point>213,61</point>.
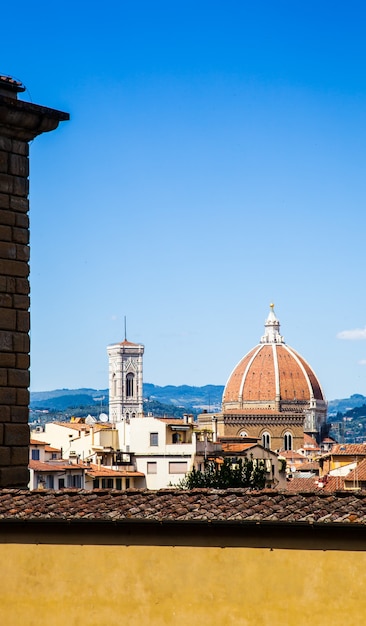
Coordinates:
<point>208,396</point>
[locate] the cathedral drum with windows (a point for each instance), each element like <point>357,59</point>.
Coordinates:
<point>272,395</point>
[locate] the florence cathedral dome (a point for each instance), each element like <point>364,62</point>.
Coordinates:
<point>272,395</point>
<point>272,376</point>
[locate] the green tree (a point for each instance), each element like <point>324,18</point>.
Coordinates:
<point>230,473</point>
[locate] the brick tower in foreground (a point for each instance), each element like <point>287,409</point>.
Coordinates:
<point>20,122</point>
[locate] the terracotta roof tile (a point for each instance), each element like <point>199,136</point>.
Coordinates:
<point>198,505</point>
<point>54,466</point>
<point>172,420</point>
<point>303,484</point>
<point>309,440</point>
<point>97,471</point>
<point>237,447</point>
<point>359,473</point>
<point>292,455</point>
<point>333,483</point>
<point>348,449</point>
<point>307,466</point>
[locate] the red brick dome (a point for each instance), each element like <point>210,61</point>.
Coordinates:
<point>272,377</point>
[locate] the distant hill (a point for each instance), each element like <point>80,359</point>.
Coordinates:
<point>344,405</point>
<point>44,396</point>
<point>191,398</point>
<point>207,397</point>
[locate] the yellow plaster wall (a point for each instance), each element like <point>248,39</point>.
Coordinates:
<point>156,586</point>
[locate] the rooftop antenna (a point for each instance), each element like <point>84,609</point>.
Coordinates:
<point>125,330</point>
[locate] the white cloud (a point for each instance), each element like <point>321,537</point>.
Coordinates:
<point>352,335</point>
<point>362,362</point>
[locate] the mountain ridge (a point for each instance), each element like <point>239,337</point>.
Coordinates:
<point>205,397</point>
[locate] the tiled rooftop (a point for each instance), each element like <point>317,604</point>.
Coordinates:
<point>347,449</point>
<point>237,446</point>
<point>97,471</point>
<point>56,465</point>
<point>198,505</point>
<point>359,473</point>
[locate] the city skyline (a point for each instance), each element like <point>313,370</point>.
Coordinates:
<point>213,163</point>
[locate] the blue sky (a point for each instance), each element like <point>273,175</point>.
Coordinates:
<point>214,162</point>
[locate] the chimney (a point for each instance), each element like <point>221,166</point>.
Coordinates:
<point>20,122</point>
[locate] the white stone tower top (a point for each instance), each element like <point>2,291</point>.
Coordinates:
<point>272,328</point>
<point>125,381</point>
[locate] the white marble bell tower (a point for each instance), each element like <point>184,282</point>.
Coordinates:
<point>125,381</point>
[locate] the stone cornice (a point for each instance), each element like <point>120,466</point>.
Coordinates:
<point>265,418</point>
<point>24,121</point>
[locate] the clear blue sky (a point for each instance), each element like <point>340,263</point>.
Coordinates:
<point>214,162</point>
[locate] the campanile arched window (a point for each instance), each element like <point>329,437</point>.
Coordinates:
<point>287,441</point>
<point>129,385</point>
<point>266,440</point>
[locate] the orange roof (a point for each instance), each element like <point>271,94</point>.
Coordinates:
<point>84,427</point>
<point>291,454</point>
<point>97,471</point>
<point>310,441</point>
<point>267,367</point>
<point>307,466</point>
<point>36,442</point>
<point>54,466</point>
<point>303,484</point>
<point>237,447</point>
<point>50,449</point>
<point>174,421</point>
<point>359,473</point>
<point>333,483</point>
<point>348,449</point>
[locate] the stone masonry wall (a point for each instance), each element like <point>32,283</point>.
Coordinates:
<point>20,122</point>
<point>14,312</point>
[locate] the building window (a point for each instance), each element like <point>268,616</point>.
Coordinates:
<point>177,438</point>
<point>74,480</point>
<point>104,483</point>
<point>243,433</point>
<point>110,483</point>
<point>266,441</point>
<point>119,483</point>
<point>287,441</point>
<point>35,455</point>
<point>54,455</point>
<point>96,483</point>
<point>61,483</point>
<point>49,481</point>
<point>154,439</point>
<point>127,483</point>
<point>177,467</point>
<point>129,385</point>
<point>152,467</point>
